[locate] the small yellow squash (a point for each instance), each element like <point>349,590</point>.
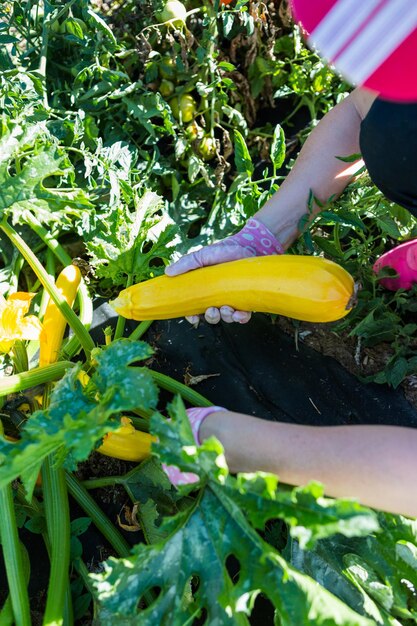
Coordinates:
<point>306,288</point>
<point>127,443</point>
<point>54,323</point>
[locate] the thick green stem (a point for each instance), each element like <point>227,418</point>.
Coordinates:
<point>35,509</point>
<point>140,330</point>
<point>103,481</point>
<point>35,376</point>
<point>101,521</point>
<point>74,322</point>
<point>84,300</point>
<point>13,559</point>
<point>50,268</point>
<point>168,383</point>
<point>20,357</point>
<point>6,613</point>
<point>59,530</point>
<point>15,273</point>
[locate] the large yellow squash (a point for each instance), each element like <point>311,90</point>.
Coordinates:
<point>306,288</point>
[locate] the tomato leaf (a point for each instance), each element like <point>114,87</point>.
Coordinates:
<point>278,147</point>
<point>242,157</point>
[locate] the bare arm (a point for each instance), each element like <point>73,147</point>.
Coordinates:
<point>375,464</point>
<point>317,167</point>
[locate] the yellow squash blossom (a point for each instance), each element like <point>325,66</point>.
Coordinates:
<point>14,323</point>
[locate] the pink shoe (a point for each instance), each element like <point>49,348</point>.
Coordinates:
<point>402,259</point>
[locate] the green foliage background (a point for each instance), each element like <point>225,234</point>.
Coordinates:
<point>96,163</point>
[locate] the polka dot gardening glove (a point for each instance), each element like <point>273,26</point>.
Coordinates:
<point>196,415</point>
<point>254,239</point>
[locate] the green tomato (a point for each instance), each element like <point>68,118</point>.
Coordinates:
<point>168,69</point>
<point>166,88</point>
<point>194,131</point>
<point>207,148</point>
<point>173,11</point>
<point>55,26</point>
<point>185,107</point>
<point>72,26</point>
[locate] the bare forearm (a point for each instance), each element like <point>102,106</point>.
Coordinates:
<point>318,169</point>
<point>375,464</point>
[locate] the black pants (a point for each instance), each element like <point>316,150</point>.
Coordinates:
<point>388,141</point>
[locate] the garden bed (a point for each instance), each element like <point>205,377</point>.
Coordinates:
<point>124,139</point>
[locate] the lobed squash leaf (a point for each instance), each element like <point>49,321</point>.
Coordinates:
<point>29,155</point>
<point>375,575</point>
<point>126,243</point>
<point>194,547</point>
<point>77,418</point>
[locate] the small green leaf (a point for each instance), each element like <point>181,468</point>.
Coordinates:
<point>80,525</point>
<point>396,371</point>
<point>242,157</point>
<point>278,147</point>
<point>351,158</point>
<point>5,39</point>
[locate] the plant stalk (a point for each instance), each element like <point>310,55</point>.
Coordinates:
<point>103,481</point>
<point>174,386</point>
<point>13,557</point>
<point>52,243</point>
<point>33,377</point>
<point>74,322</point>
<point>140,330</point>
<point>59,530</point>
<point>100,520</point>
<point>121,321</point>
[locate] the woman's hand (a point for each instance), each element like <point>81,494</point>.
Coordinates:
<point>196,415</point>
<point>253,240</point>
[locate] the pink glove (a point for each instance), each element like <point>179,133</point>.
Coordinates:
<point>253,240</point>
<point>196,416</point>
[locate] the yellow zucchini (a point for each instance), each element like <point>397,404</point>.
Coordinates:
<point>127,443</point>
<point>305,288</point>
<point>54,323</point>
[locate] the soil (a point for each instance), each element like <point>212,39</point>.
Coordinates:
<point>356,359</point>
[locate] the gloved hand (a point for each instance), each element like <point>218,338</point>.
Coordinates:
<point>253,240</point>
<point>196,415</point>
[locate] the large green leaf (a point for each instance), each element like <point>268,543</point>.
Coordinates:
<point>77,418</point>
<point>70,422</point>
<point>126,243</point>
<point>375,575</point>
<point>211,532</point>
<point>29,155</point>
<point>309,514</point>
<point>199,540</point>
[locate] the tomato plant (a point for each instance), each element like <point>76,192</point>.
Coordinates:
<point>183,107</point>
<point>174,11</point>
